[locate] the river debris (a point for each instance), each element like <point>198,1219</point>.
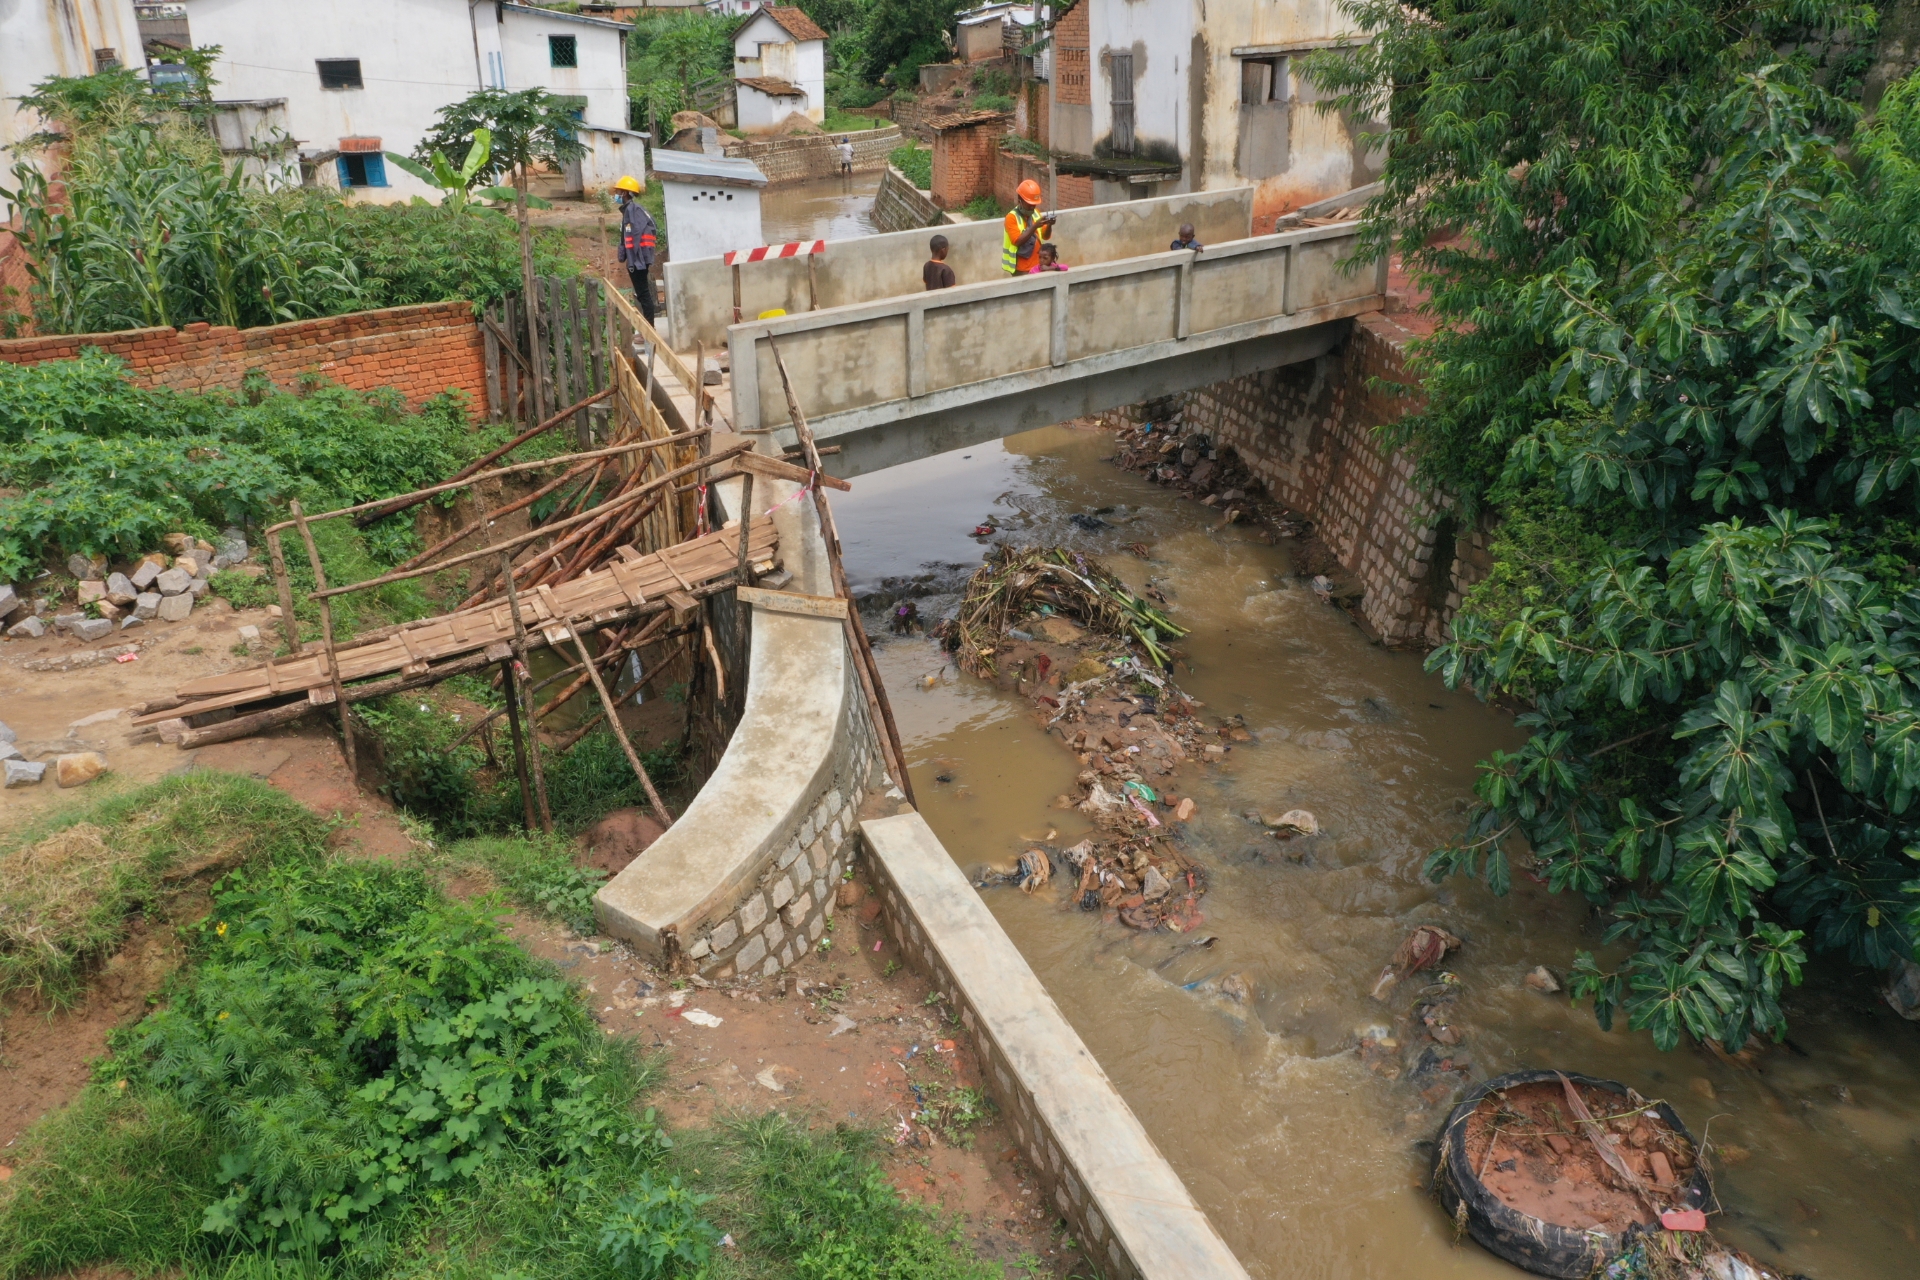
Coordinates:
<point>1187,459</point>
<point>1425,947</point>
<point>1017,581</point>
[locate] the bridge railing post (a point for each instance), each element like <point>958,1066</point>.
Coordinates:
<point>1058,319</point>
<point>916,352</point>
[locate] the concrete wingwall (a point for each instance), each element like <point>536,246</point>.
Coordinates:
<point>900,206</point>
<point>870,268</point>
<point>1311,433</point>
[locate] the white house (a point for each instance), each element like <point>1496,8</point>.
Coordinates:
<point>712,203</point>
<point>43,38</point>
<point>361,77</point>
<point>980,34</point>
<point>779,67</point>
<point>1154,97</point>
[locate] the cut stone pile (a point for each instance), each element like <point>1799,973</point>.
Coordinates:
<point>161,586</point>
<point>70,769</point>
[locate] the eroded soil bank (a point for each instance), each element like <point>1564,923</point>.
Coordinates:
<point>1300,1110</point>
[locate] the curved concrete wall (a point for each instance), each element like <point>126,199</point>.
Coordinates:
<point>743,881</point>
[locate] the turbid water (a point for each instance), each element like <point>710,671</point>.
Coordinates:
<point>1311,1163</point>
<point>819,208</point>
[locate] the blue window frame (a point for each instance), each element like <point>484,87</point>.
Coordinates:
<point>363,169</point>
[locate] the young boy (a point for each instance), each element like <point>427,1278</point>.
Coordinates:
<point>936,274</point>
<point>1186,239</point>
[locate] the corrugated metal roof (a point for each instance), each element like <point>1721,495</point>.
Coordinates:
<point>691,166</point>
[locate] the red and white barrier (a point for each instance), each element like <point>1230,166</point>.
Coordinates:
<point>765,251</point>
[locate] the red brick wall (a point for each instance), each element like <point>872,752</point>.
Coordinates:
<point>1010,169</point>
<point>422,350</point>
<point>1071,37</point>
<point>1073,191</point>
<point>963,160</point>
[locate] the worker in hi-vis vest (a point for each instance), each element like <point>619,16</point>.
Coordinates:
<point>638,239</point>
<point>1026,228</point>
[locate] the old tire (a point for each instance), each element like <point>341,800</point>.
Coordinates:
<point>1534,1244</point>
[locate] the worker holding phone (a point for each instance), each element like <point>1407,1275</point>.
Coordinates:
<point>1026,229</point>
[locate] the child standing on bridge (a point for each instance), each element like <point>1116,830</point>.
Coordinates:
<point>936,274</point>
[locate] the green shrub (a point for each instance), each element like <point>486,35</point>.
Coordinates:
<point>982,209</point>
<point>593,778</point>
<point>916,164</point>
<point>993,102</point>
<point>824,1203</point>
<point>106,467</point>
<point>656,1231</point>
<point>538,873</point>
<point>416,252</point>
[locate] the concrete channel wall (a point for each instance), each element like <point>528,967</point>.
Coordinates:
<point>700,291</point>
<point>1103,1173</point>
<point>900,206</point>
<point>853,366</point>
<point>743,882</point>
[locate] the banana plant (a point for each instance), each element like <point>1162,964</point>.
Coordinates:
<point>457,185</point>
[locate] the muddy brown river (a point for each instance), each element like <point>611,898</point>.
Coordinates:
<point>1311,1163</point>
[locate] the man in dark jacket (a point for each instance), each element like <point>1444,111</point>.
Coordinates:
<point>638,239</point>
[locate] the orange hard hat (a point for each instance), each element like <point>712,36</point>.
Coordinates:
<point>1029,191</point>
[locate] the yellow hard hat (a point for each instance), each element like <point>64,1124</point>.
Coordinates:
<point>627,183</point>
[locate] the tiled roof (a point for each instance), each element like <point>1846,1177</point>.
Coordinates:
<point>771,87</point>
<point>795,22</point>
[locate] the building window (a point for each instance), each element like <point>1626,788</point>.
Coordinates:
<point>1120,69</point>
<point>563,51</point>
<point>365,169</point>
<point>1264,80</point>
<point>105,59</point>
<point>339,73</point>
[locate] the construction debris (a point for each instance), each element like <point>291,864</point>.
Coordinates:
<point>1015,582</point>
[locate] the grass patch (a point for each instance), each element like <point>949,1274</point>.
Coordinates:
<point>69,886</point>
<point>357,1077</point>
<point>838,121</point>
<point>915,163</point>
<point>982,209</point>
<point>538,873</point>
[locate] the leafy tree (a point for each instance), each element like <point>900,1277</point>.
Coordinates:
<point>525,128</point>
<point>680,62</point>
<point>1672,296</point>
<point>900,35</point>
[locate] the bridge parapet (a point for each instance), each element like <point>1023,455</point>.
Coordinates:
<point>869,365</point>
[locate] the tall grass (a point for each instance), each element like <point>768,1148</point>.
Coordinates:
<point>70,886</point>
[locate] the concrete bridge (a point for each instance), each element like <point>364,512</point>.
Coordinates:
<point>891,373</point>
<point>910,377</point>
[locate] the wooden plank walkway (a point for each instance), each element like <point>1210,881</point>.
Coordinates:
<point>631,585</point>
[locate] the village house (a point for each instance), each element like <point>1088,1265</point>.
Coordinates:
<point>1138,98</point>
<point>779,68</point>
<point>982,34</point>
<point>362,77</point>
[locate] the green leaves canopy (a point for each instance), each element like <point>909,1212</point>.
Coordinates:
<point>1665,293</point>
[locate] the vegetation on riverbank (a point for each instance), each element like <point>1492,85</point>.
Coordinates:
<point>1680,350</point>
<point>356,1075</point>
<point>152,226</point>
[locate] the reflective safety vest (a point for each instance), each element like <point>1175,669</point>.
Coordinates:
<point>1017,225</point>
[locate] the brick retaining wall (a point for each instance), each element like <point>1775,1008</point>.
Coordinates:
<point>901,206</point>
<point>815,155</point>
<point>422,350</point>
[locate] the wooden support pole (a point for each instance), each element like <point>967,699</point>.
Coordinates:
<point>392,506</point>
<point>285,589</point>
<point>326,636</point>
<point>660,809</point>
<point>273,717</point>
<point>533,726</point>
<point>736,293</point>
<point>864,666</point>
<point>511,688</point>
<point>546,530</point>
<point>745,523</point>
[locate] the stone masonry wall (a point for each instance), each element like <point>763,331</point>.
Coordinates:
<point>421,350</point>
<point>1310,432</point>
<point>816,155</point>
<point>901,206</point>
<point>788,910</point>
